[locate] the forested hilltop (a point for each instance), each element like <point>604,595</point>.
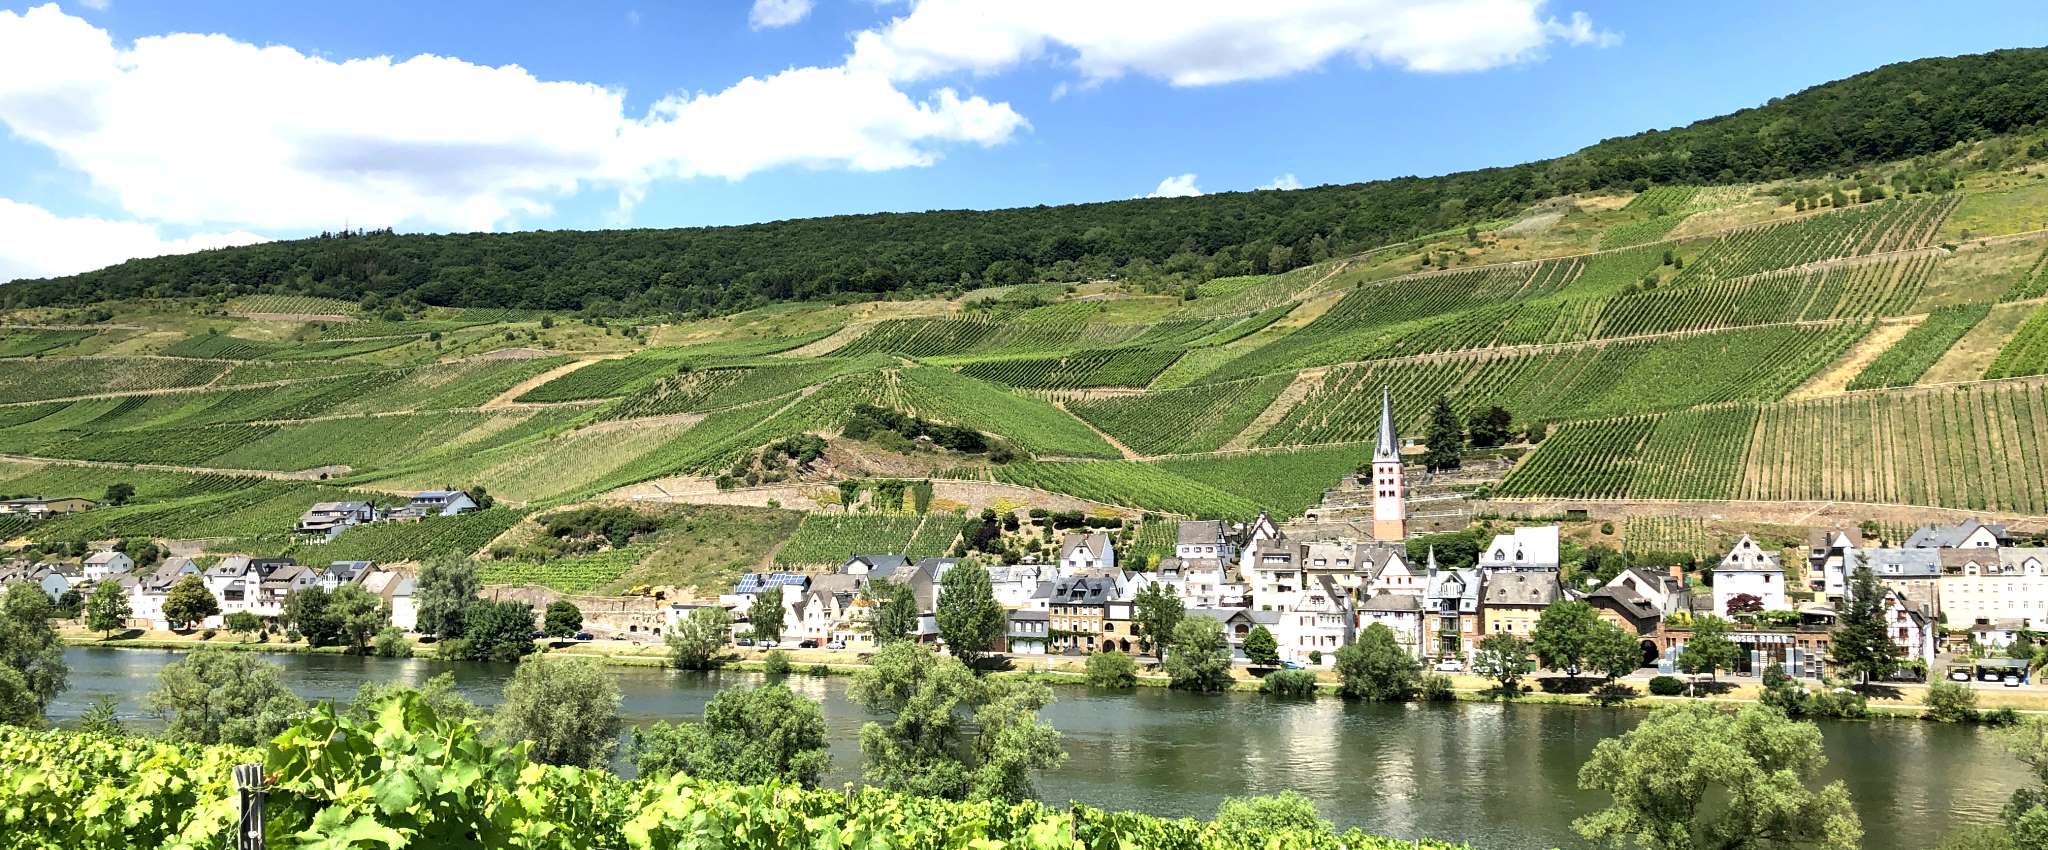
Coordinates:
<point>1893,113</point>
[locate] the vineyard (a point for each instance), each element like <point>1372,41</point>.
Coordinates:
<point>37,380</point>
<point>1591,460</point>
<point>1035,426</point>
<point>1196,419</point>
<point>1130,483</point>
<point>387,542</point>
<point>1909,358</point>
<point>573,574</point>
<point>1283,482</point>
<point>228,510</point>
<point>2027,353</point>
<point>22,342</point>
<point>1642,535</point>
<point>1660,200</point>
<point>1101,367</point>
<point>470,790</point>
<point>291,305</point>
<point>1853,232</point>
<point>2033,283</point>
<point>827,539</point>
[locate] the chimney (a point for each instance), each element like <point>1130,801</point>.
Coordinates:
<point>1678,573</point>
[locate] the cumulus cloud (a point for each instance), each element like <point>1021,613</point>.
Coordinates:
<point>769,14</point>
<point>1284,182</point>
<point>207,130</point>
<point>1177,186</point>
<point>1208,42</point>
<point>40,243</point>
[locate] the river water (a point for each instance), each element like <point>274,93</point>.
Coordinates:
<point>1498,776</point>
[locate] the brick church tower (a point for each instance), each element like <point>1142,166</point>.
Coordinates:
<point>1389,487</point>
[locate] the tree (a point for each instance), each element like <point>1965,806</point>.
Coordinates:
<point>494,631</point>
<point>1261,648</point>
<point>107,608</point>
<point>1113,670</point>
<point>215,696</point>
<point>438,693</point>
<point>1693,776</point>
<point>1745,603</point>
<point>119,492</point>
<point>767,619</point>
<point>189,602</point>
<point>1495,427</point>
<point>562,619</point>
<point>103,718</point>
<point>894,609</point>
<point>969,617</point>
<point>1155,611</point>
<point>1612,651</point>
<point>306,611</point>
<point>1708,649</point>
<point>244,623</point>
<point>32,669</point>
<point>1375,667</point>
<point>1200,656</point>
<point>1860,643</point>
<point>1564,635</point>
<point>695,639</point>
<point>1948,702</point>
<point>441,597</point>
<point>353,616</point>
<point>1446,437</point>
<point>567,710</point>
<point>748,735</point>
<point>929,746</point>
<point>1283,812</point>
<point>1504,658</point>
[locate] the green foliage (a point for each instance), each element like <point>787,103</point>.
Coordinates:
<point>345,616</point>
<point>1708,649</point>
<point>499,631</point>
<point>895,611</point>
<point>1260,647</point>
<point>1289,683</point>
<point>1564,635</point>
<point>1666,686</point>
<point>1141,485</point>
<point>1113,670</point>
<point>1662,774</point>
<point>32,669</point>
<point>698,637</point>
<point>391,643</point>
<point>1376,668</point>
<point>970,620</point>
<point>1195,419</point>
<point>1504,658</point>
<point>562,619</point>
<point>775,663</point>
<point>243,623</point>
<point>1948,702</point>
<point>1446,437</point>
<point>748,735</point>
<point>823,538</point>
<point>214,696</point>
<point>566,712</point>
<point>1861,643</point>
<point>2027,352</point>
<point>106,608</point>
<point>765,620</point>
<point>189,602</point>
<point>948,734</point>
<point>1199,656</point>
<point>1155,612</point>
<point>1282,812</point>
<point>388,542</point>
<point>1909,358</point>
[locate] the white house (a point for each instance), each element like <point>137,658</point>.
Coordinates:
<point>1320,621</point>
<point>1909,626</point>
<point>1968,534</point>
<point>436,503</point>
<point>1015,585</point>
<point>1827,552</point>
<point>1086,553</point>
<point>146,593</point>
<point>235,584</point>
<point>1401,613</point>
<point>330,518</point>
<point>1204,539</point>
<point>1028,631</point>
<point>1749,569</point>
<point>1392,575</point>
<point>99,565</point>
<point>1203,582</point>
<point>49,580</point>
<point>279,586</point>
<point>1528,548</point>
<point>1996,586</point>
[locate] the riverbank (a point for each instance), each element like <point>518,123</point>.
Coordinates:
<point>1908,704</point>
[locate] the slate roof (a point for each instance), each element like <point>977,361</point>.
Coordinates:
<point>1631,603</point>
<point>103,557</point>
<point>1521,588</point>
<point>1951,536</point>
<point>1200,532</point>
<point>1749,556</point>
<point>1897,563</point>
<point>1395,603</point>
<point>1083,590</point>
<point>880,566</point>
<point>1528,546</point>
<point>1097,543</point>
<point>756,582</point>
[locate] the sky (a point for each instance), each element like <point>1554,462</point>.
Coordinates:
<point>139,129</point>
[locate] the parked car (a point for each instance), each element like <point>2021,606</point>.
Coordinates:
<point>837,644</point>
<point>537,635</point>
<point>1958,674</point>
<point>769,644</point>
<point>1989,675</point>
<point>2012,681</point>
<point>808,644</point>
<point>1291,665</point>
<point>744,642</point>
<point>584,636</point>
<point>1450,665</point>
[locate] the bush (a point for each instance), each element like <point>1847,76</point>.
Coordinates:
<point>1615,693</point>
<point>1948,702</point>
<point>776,663</point>
<point>820,670</point>
<point>2000,716</point>
<point>391,643</point>
<point>1437,688</point>
<point>1289,683</point>
<point>1667,686</point>
<point>208,634</point>
<point>291,635</point>
<point>1112,669</point>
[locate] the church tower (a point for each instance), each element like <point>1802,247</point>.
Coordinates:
<point>1389,487</point>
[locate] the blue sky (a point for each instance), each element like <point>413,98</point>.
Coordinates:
<point>121,142</point>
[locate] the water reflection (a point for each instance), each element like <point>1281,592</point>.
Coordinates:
<point>1492,774</point>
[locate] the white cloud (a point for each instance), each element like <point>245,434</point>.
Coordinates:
<point>40,243</point>
<point>1207,42</point>
<point>96,5</point>
<point>1284,182</point>
<point>1177,186</point>
<point>769,14</point>
<point>204,130</point>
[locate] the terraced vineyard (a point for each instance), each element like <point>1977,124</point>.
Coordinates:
<point>1196,419</point>
<point>572,574</point>
<point>35,380</point>
<point>827,539</point>
<point>388,542</point>
<point>1643,535</point>
<point>22,342</point>
<point>2027,353</point>
<point>1138,485</point>
<point>1104,367</point>
<point>1855,232</point>
<point>1910,357</point>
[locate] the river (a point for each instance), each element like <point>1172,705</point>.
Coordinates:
<point>1498,776</point>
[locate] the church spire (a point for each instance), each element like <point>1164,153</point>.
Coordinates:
<point>1389,445</point>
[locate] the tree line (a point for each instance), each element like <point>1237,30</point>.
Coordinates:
<point>1897,111</point>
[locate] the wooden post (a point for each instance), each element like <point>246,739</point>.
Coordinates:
<point>249,790</point>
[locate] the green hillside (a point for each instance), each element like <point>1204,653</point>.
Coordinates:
<point>1870,334</point>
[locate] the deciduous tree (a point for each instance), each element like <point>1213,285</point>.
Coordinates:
<point>107,608</point>
<point>1261,648</point>
<point>447,585</point>
<point>1564,635</point>
<point>1376,668</point>
<point>1200,656</point>
<point>748,735</point>
<point>214,696</point>
<point>970,619</point>
<point>695,639</point>
<point>1155,611</point>
<point>568,710</point>
<point>932,745</point>
<point>189,602</point>
<point>1708,649</point>
<point>32,669</point>
<point>1504,658</point>
<point>562,619</point>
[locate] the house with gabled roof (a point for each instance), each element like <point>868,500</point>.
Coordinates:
<point>1749,569</point>
<point>435,503</point>
<point>1513,599</point>
<point>1086,552</point>
<point>44,576</point>
<point>1527,548</point>
<point>1317,624</point>
<point>106,562</point>
<point>1450,613</point>
<point>330,518</point>
<point>1401,613</point>
<point>1982,587</point>
<point>1971,533</point>
<point>1827,551</point>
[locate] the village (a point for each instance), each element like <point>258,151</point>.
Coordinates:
<point>1307,587</point>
